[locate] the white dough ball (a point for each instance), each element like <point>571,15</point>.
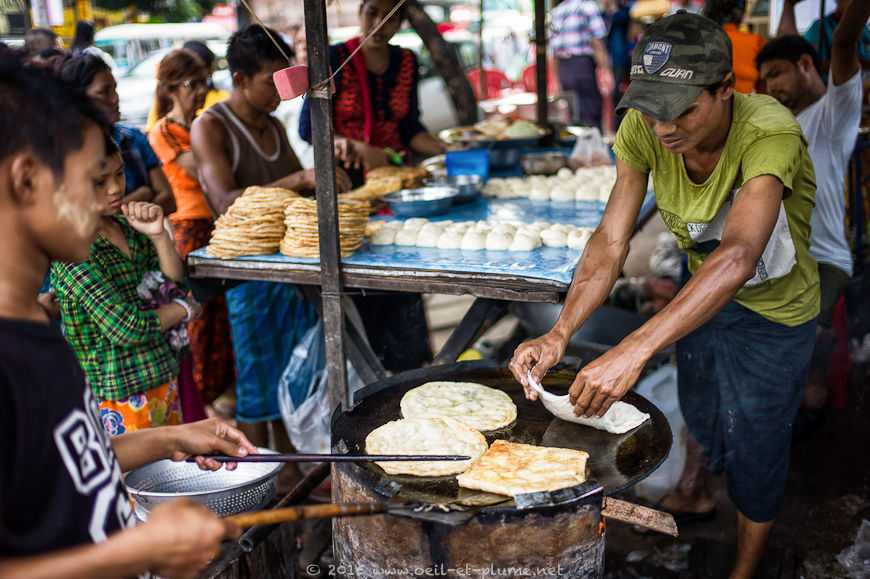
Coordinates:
<point>406,236</point>
<point>460,227</point>
<point>524,242</point>
<point>561,194</point>
<point>483,226</point>
<point>564,173</point>
<point>539,194</point>
<point>432,227</point>
<point>497,241</point>
<point>473,240</point>
<point>586,193</point>
<point>554,238</point>
<point>428,236</point>
<point>384,236</point>
<point>504,228</point>
<point>450,240</point>
<point>542,224</point>
<point>529,231</point>
<point>577,239</point>
<point>415,223</point>
<point>394,225</point>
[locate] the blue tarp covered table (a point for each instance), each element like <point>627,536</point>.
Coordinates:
<point>539,275</point>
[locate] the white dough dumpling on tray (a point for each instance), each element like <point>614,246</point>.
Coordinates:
<point>479,406</point>
<point>474,240</point>
<point>432,436</point>
<point>384,236</point>
<point>407,236</point>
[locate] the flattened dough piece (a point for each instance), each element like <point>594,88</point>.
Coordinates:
<point>426,436</point>
<point>511,468</point>
<point>476,405</point>
<point>619,418</point>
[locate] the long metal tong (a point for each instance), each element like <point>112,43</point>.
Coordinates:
<point>329,457</point>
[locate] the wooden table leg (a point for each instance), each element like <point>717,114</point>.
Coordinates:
<point>359,352</point>
<point>481,316</point>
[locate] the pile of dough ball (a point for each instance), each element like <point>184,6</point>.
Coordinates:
<point>480,235</point>
<point>585,184</point>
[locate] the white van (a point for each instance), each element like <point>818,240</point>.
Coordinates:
<point>129,43</point>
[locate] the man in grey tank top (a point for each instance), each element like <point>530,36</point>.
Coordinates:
<point>238,143</point>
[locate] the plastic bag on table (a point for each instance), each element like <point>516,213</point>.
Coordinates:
<point>303,393</point>
<point>590,150</point>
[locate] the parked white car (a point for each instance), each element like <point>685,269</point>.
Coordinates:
<point>136,87</point>
<point>130,43</point>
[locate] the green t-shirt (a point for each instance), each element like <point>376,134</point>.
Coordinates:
<point>764,139</point>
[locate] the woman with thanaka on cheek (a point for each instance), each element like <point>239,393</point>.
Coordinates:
<point>145,179</point>
<point>122,341</point>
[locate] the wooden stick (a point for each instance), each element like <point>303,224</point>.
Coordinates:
<point>275,516</point>
<point>638,515</point>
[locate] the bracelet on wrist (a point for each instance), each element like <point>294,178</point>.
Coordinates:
<point>187,309</point>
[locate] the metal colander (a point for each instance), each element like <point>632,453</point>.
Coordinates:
<point>226,492</point>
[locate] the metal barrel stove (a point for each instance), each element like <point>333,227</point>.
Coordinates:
<point>452,532</point>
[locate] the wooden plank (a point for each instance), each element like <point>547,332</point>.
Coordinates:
<point>639,515</point>
<point>482,314</point>
<point>514,288</point>
<point>327,201</point>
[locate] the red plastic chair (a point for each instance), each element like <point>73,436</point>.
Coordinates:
<point>496,81</point>
<point>528,83</point>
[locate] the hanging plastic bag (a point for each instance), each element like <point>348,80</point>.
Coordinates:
<point>303,393</point>
<point>590,150</point>
<point>308,358</point>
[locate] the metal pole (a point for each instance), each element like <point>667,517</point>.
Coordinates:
<point>821,40</point>
<point>327,202</point>
<point>541,60</point>
<point>480,56</point>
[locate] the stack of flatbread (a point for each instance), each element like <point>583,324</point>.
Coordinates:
<point>385,180</point>
<point>253,225</point>
<point>302,239</point>
<point>410,176</point>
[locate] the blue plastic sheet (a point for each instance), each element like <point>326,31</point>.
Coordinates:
<point>549,263</point>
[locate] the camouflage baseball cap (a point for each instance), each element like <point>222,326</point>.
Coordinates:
<point>675,59</point>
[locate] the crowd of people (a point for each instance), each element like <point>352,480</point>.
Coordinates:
<point>751,186</point>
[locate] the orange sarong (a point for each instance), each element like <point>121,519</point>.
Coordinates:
<point>155,407</point>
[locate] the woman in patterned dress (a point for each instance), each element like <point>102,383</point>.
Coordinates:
<point>183,82</point>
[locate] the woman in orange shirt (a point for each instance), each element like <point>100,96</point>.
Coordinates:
<point>183,82</point>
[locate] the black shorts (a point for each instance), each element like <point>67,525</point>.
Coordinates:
<point>741,378</point>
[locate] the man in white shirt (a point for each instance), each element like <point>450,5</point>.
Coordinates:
<point>829,116</point>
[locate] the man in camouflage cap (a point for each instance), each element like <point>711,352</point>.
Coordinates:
<point>734,183</point>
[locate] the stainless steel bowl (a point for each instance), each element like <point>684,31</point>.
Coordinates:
<point>226,492</point>
<point>543,163</point>
<point>421,202</point>
<point>468,187</point>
